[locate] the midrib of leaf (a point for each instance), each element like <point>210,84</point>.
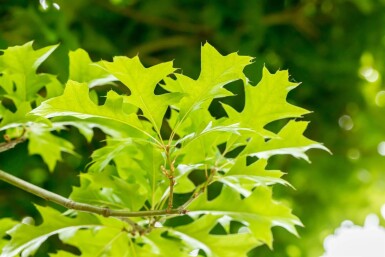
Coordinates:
<point>109,243</point>
<point>133,250</point>
<point>161,143</point>
<point>193,104</point>
<point>288,150</point>
<point>147,110</point>
<point>242,214</point>
<point>95,114</point>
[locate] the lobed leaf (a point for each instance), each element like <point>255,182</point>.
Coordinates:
<point>82,69</point>
<point>290,141</point>
<point>75,102</point>
<point>258,210</point>
<point>142,82</point>
<point>244,179</point>
<point>266,102</point>
<point>106,241</point>
<point>197,235</point>
<point>26,239</point>
<point>216,71</point>
<point>18,65</point>
<point>48,146</point>
<point>106,189</point>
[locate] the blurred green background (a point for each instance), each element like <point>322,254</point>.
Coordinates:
<point>334,47</point>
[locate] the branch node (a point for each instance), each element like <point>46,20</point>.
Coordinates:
<point>70,204</point>
<point>106,212</point>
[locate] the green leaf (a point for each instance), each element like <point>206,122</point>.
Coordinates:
<point>290,141</point>
<point>23,59</point>
<point>18,65</point>
<point>144,168</point>
<point>197,235</point>
<point>142,82</point>
<point>259,211</point>
<point>183,183</point>
<point>75,102</point>
<point>266,102</point>
<point>19,118</point>
<point>48,146</point>
<point>245,178</point>
<point>103,156</point>
<point>82,69</point>
<point>106,241</point>
<point>26,239</point>
<point>5,225</point>
<point>232,128</point>
<point>201,138</point>
<point>161,242</point>
<point>216,71</point>
<point>106,189</point>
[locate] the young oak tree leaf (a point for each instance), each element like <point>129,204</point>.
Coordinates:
<point>18,118</point>
<point>244,179</point>
<point>106,189</point>
<point>161,242</point>
<point>48,146</point>
<point>82,69</point>
<point>197,235</point>
<point>112,238</point>
<point>142,82</point>
<point>259,211</point>
<point>290,141</point>
<point>23,59</point>
<point>144,168</point>
<point>5,225</point>
<point>103,156</point>
<point>106,241</point>
<point>266,102</point>
<point>75,103</point>
<point>18,65</point>
<point>26,239</point>
<point>216,71</point>
<point>20,87</point>
<point>203,136</point>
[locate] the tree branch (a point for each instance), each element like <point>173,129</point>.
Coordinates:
<point>9,144</point>
<point>295,17</point>
<point>152,20</point>
<point>70,204</point>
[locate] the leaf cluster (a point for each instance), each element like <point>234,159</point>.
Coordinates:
<point>164,151</point>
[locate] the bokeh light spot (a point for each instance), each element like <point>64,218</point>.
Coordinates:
<point>354,154</point>
<point>345,122</point>
<point>370,74</point>
<point>381,148</point>
<point>383,211</point>
<point>380,99</point>
<point>45,5</point>
<point>364,175</point>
